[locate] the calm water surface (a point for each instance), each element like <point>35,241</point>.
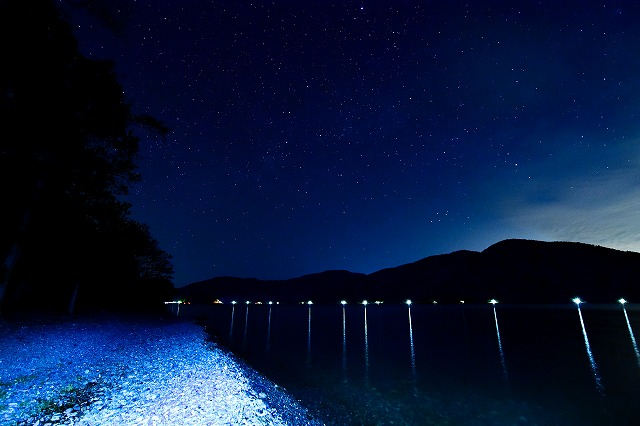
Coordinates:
<point>443,365</point>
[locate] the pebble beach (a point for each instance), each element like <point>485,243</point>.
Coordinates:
<point>131,372</point>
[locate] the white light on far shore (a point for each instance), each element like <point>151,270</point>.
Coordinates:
<point>408,302</point>
<point>309,302</point>
<point>493,301</point>
<point>343,302</point>
<point>577,301</point>
<point>233,302</point>
<point>622,301</point>
<point>364,302</point>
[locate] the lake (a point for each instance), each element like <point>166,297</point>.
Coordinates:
<point>443,364</point>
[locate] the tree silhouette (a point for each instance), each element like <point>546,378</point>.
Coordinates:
<point>67,156</point>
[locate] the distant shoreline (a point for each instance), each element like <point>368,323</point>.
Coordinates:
<point>511,271</point>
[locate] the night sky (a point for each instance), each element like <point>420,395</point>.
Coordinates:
<point>361,135</point>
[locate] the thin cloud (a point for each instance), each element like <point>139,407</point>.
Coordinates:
<point>603,211</point>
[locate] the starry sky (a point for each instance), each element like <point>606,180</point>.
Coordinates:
<point>312,135</point>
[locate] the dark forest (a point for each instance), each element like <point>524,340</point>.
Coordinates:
<point>67,159</point>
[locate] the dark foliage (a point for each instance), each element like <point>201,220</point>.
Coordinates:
<point>67,154</point>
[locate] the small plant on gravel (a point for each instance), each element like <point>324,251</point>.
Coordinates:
<point>18,380</point>
<point>24,379</point>
<point>69,397</point>
<point>46,407</point>
<point>3,393</point>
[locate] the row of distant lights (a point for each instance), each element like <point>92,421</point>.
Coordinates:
<point>344,302</point>
<point>575,300</point>
<point>578,301</point>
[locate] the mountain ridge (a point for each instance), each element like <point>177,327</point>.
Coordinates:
<point>512,270</point>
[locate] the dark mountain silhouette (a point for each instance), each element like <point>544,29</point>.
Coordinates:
<point>321,288</point>
<point>512,271</point>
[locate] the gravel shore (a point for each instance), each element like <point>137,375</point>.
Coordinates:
<point>131,372</point>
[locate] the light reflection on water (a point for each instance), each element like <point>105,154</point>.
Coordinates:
<point>502,360</point>
<point>309,339</point>
<point>592,361</point>
<point>344,340</point>
<point>633,339</point>
<point>233,311</point>
<point>455,352</point>
<point>366,346</point>
<point>269,330</point>
<point>246,328</point>
<point>411,347</point>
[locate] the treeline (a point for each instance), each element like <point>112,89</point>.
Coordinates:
<point>68,146</point>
